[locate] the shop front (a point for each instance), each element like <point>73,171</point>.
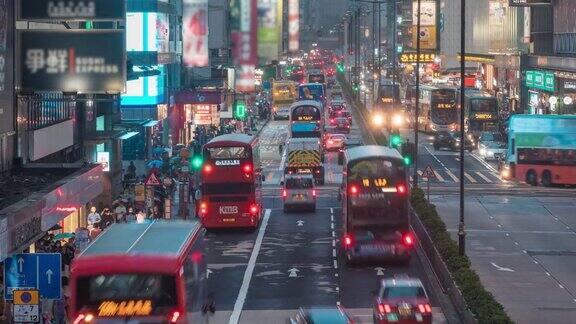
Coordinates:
<point>61,210</point>
<point>541,85</point>
<point>194,108</point>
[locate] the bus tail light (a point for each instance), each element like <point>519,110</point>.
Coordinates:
<point>173,316</point>
<point>247,168</point>
<point>348,240</point>
<point>401,188</point>
<point>425,308</point>
<point>384,309</point>
<point>203,209</point>
<point>207,168</point>
<point>254,209</point>
<point>84,318</point>
<point>284,193</point>
<point>353,190</point>
<point>408,239</point>
<point>313,192</point>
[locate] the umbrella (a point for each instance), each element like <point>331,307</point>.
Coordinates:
<point>155,164</point>
<point>158,151</point>
<point>63,236</point>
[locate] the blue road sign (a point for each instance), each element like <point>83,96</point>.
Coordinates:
<point>41,271</point>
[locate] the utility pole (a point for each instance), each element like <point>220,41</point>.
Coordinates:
<point>461,224</point>
<point>417,110</point>
<point>379,45</point>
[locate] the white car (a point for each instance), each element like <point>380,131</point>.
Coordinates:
<point>298,191</point>
<point>492,150</point>
<point>334,142</point>
<point>281,112</point>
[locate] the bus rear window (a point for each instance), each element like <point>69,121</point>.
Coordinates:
<point>299,183</point>
<point>483,105</point>
<point>374,174</point>
<point>233,152</point>
<point>147,294</point>
<point>228,188</point>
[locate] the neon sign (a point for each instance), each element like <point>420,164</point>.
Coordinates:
<point>482,116</point>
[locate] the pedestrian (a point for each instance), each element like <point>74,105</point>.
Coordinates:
<point>141,217</point>
<point>280,149</point>
<point>131,170</point>
<point>94,218</point>
<point>60,306</point>
<point>130,216</point>
<point>107,217</point>
<point>120,210</point>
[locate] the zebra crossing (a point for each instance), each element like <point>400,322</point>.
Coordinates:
<point>472,177</point>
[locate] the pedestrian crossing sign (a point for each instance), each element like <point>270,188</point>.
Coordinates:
<point>428,172</point>
<point>152,180</point>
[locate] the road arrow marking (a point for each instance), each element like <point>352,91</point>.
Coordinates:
<point>49,274</point>
<point>499,268</point>
<point>20,264</point>
<point>379,271</point>
<point>208,272</point>
<point>293,273</point>
<point>300,223</point>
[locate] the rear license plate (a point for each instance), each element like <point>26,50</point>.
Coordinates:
<point>404,310</point>
<point>228,220</point>
<point>378,249</point>
<point>298,197</point>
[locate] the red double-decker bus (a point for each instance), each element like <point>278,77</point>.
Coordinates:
<point>231,182</point>
<point>141,273</point>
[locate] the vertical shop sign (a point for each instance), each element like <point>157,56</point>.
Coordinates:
<point>268,33</point>
<point>293,25</point>
<point>246,55</point>
<point>195,33</point>
<point>6,63</point>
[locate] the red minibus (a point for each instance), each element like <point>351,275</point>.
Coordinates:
<point>231,185</point>
<point>142,273</point>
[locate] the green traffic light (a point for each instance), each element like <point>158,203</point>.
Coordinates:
<point>240,110</point>
<point>340,67</point>
<point>407,160</point>
<point>197,162</point>
<point>395,140</point>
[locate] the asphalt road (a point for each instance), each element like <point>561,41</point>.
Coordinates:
<point>293,260</point>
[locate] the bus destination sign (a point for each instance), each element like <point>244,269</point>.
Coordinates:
<point>305,118</point>
<point>227,162</point>
<point>482,116</point>
<point>113,308</point>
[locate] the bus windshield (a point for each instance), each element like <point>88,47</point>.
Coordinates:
<point>316,78</point>
<point>444,107</point>
<point>232,152</point>
<point>306,113</point>
<point>483,105</point>
<point>389,94</point>
<point>311,92</point>
<point>150,294</point>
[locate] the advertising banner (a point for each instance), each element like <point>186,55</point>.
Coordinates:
<point>6,63</point>
<point>528,3</point>
<point>245,54</point>
<point>72,10</point>
<point>195,33</point>
<point>427,13</point>
<point>293,25</point>
<point>76,61</point>
<point>268,32</point>
<point>427,37</point>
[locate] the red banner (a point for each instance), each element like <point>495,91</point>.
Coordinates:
<point>195,33</point>
<point>245,51</point>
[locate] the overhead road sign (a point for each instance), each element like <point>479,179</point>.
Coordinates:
<point>33,271</point>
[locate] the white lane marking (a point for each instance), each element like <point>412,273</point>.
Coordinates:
<point>452,175</point>
<point>334,243</point>
<point>499,268</point>
<point>332,218</point>
<point>335,264</point>
<point>469,177</point>
<point>484,163</point>
<point>331,225</point>
<point>485,178</point>
<point>439,177</point>
<point>239,304</point>
<point>334,252</point>
<point>436,158</point>
<point>333,234</point>
<point>281,166</point>
<point>331,210</point>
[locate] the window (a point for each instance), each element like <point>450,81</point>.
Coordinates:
<point>305,113</point>
<point>546,156</point>
<point>215,153</point>
<point>299,183</point>
<point>160,289</point>
<point>403,292</point>
<point>483,105</point>
<point>228,188</point>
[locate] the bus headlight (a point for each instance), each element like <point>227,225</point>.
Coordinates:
<point>397,120</point>
<point>505,173</point>
<point>378,120</point>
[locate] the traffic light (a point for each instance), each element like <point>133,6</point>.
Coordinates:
<point>395,140</point>
<point>408,153</point>
<point>355,87</point>
<point>340,67</point>
<point>197,162</point>
<point>239,110</point>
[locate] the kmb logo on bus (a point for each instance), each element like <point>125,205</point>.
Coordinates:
<point>227,162</point>
<point>229,210</point>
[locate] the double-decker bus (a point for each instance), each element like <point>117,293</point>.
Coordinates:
<point>141,273</point>
<point>307,119</point>
<point>231,185</point>
<point>438,109</point>
<point>375,209</point>
<point>388,95</point>
<point>480,112</point>
<point>542,149</point>
<point>312,91</point>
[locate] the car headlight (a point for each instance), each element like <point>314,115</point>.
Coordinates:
<point>397,120</point>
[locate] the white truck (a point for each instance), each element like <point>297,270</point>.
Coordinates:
<point>305,156</point>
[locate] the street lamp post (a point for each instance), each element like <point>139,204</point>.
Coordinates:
<point>417,110</point>
<point>461,224</point>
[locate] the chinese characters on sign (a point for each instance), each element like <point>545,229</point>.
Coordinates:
<point>86,61</point>
<point>72,9</point>
<point>195,33</point>
<point>293,25</point>
<point>411,57</point>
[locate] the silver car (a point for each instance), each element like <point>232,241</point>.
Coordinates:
<point>298,192</point>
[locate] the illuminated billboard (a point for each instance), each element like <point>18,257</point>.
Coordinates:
<point>195,33</point>
<point>147,32</point>
<point>145,91</point>
<point>293,25</point>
